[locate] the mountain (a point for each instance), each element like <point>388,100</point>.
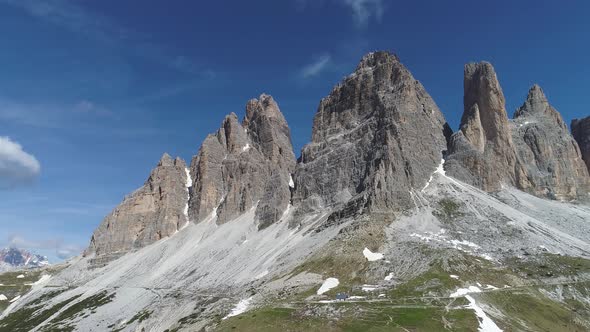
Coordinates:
<point>13,258</point>
<point>533,152</point>
<point>420,228</point>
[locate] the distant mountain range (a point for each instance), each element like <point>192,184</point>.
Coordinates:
<point>13,258</point>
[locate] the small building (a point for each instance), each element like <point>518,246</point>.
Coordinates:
<point>341,296</point>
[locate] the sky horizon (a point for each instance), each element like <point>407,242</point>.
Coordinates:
<point>93,93</point>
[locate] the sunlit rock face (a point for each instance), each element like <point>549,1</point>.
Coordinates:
<point>547,151</point>
<point>244,165</point>
<point>377,136</point>
<point>154,211</point>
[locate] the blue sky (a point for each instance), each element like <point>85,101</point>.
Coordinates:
<point>93,92</point>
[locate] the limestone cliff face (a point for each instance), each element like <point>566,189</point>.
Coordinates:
<point>377,136</point>
<point>581,133</point>
<point>154,211</point>
<point>244,165</point>
<point>534,152</point>
<point>482,152</point>
<point>547,151</point>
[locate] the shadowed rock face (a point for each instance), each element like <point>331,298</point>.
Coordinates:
<point>482,152</point>
<point>154,211</point>
<point>547,152</point>
<point>377,136</point>
<point>581,132</point>
<point>243,166</point>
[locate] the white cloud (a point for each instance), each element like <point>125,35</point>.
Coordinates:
<point>16,166</point>
<point>316,67</point>
<point>364,10</point>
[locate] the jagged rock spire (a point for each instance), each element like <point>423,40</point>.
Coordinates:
<point>536,104</point>
<point>548,154</point>
<point>482,153</point>
<point>244,165</point>
<point>534,152</point>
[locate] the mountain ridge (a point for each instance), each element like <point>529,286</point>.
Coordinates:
<point>385,203</point>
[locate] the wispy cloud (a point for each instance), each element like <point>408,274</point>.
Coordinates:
<point>317,66</point>
<point>364,10</point>
<point>16,166</point>
<point>50,116</point>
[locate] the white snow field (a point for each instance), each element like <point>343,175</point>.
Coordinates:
<point>201,260</point>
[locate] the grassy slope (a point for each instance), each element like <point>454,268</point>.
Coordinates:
<point>422,303</point>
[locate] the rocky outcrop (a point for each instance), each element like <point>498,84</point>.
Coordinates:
<point>482,152</point>
<point>158,209</point>
<point>547,152</point>
<point>581,133</point>
<point>534,152</point>
<point>244,165</point>
<point>376,137</point>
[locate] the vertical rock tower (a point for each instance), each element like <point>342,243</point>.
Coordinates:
<point>244,165</point>
<point>482,152</point>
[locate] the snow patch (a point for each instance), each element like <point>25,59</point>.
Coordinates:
<point>485,323</point>
<point>464,291</point>
<point>454,276</point>
<point>240,308</point>
<point>381,295</point>
<point>369,288</point>
<point>246,147</point>
<point>356,297</point>
<point>327,285</point>
<point>14,300</point>
<point>261,275</point>
<point>388,277</point>
<point>20,276</point>
<point>3,297</point>
<point>44,278</point>
<point>372,256</point>
<point>291,183</point>
<point>439,170</point>
<point>189,180</point>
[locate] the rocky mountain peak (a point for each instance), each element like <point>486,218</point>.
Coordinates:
<point>373,59</point>
<point>537,104</point>
<point>165,160</point>
<point>533,152</point>
<point>481,87</point>
<point>375,137</point>
<point>242,164</point>
<point>482,153</point>
<point>269,132</point>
